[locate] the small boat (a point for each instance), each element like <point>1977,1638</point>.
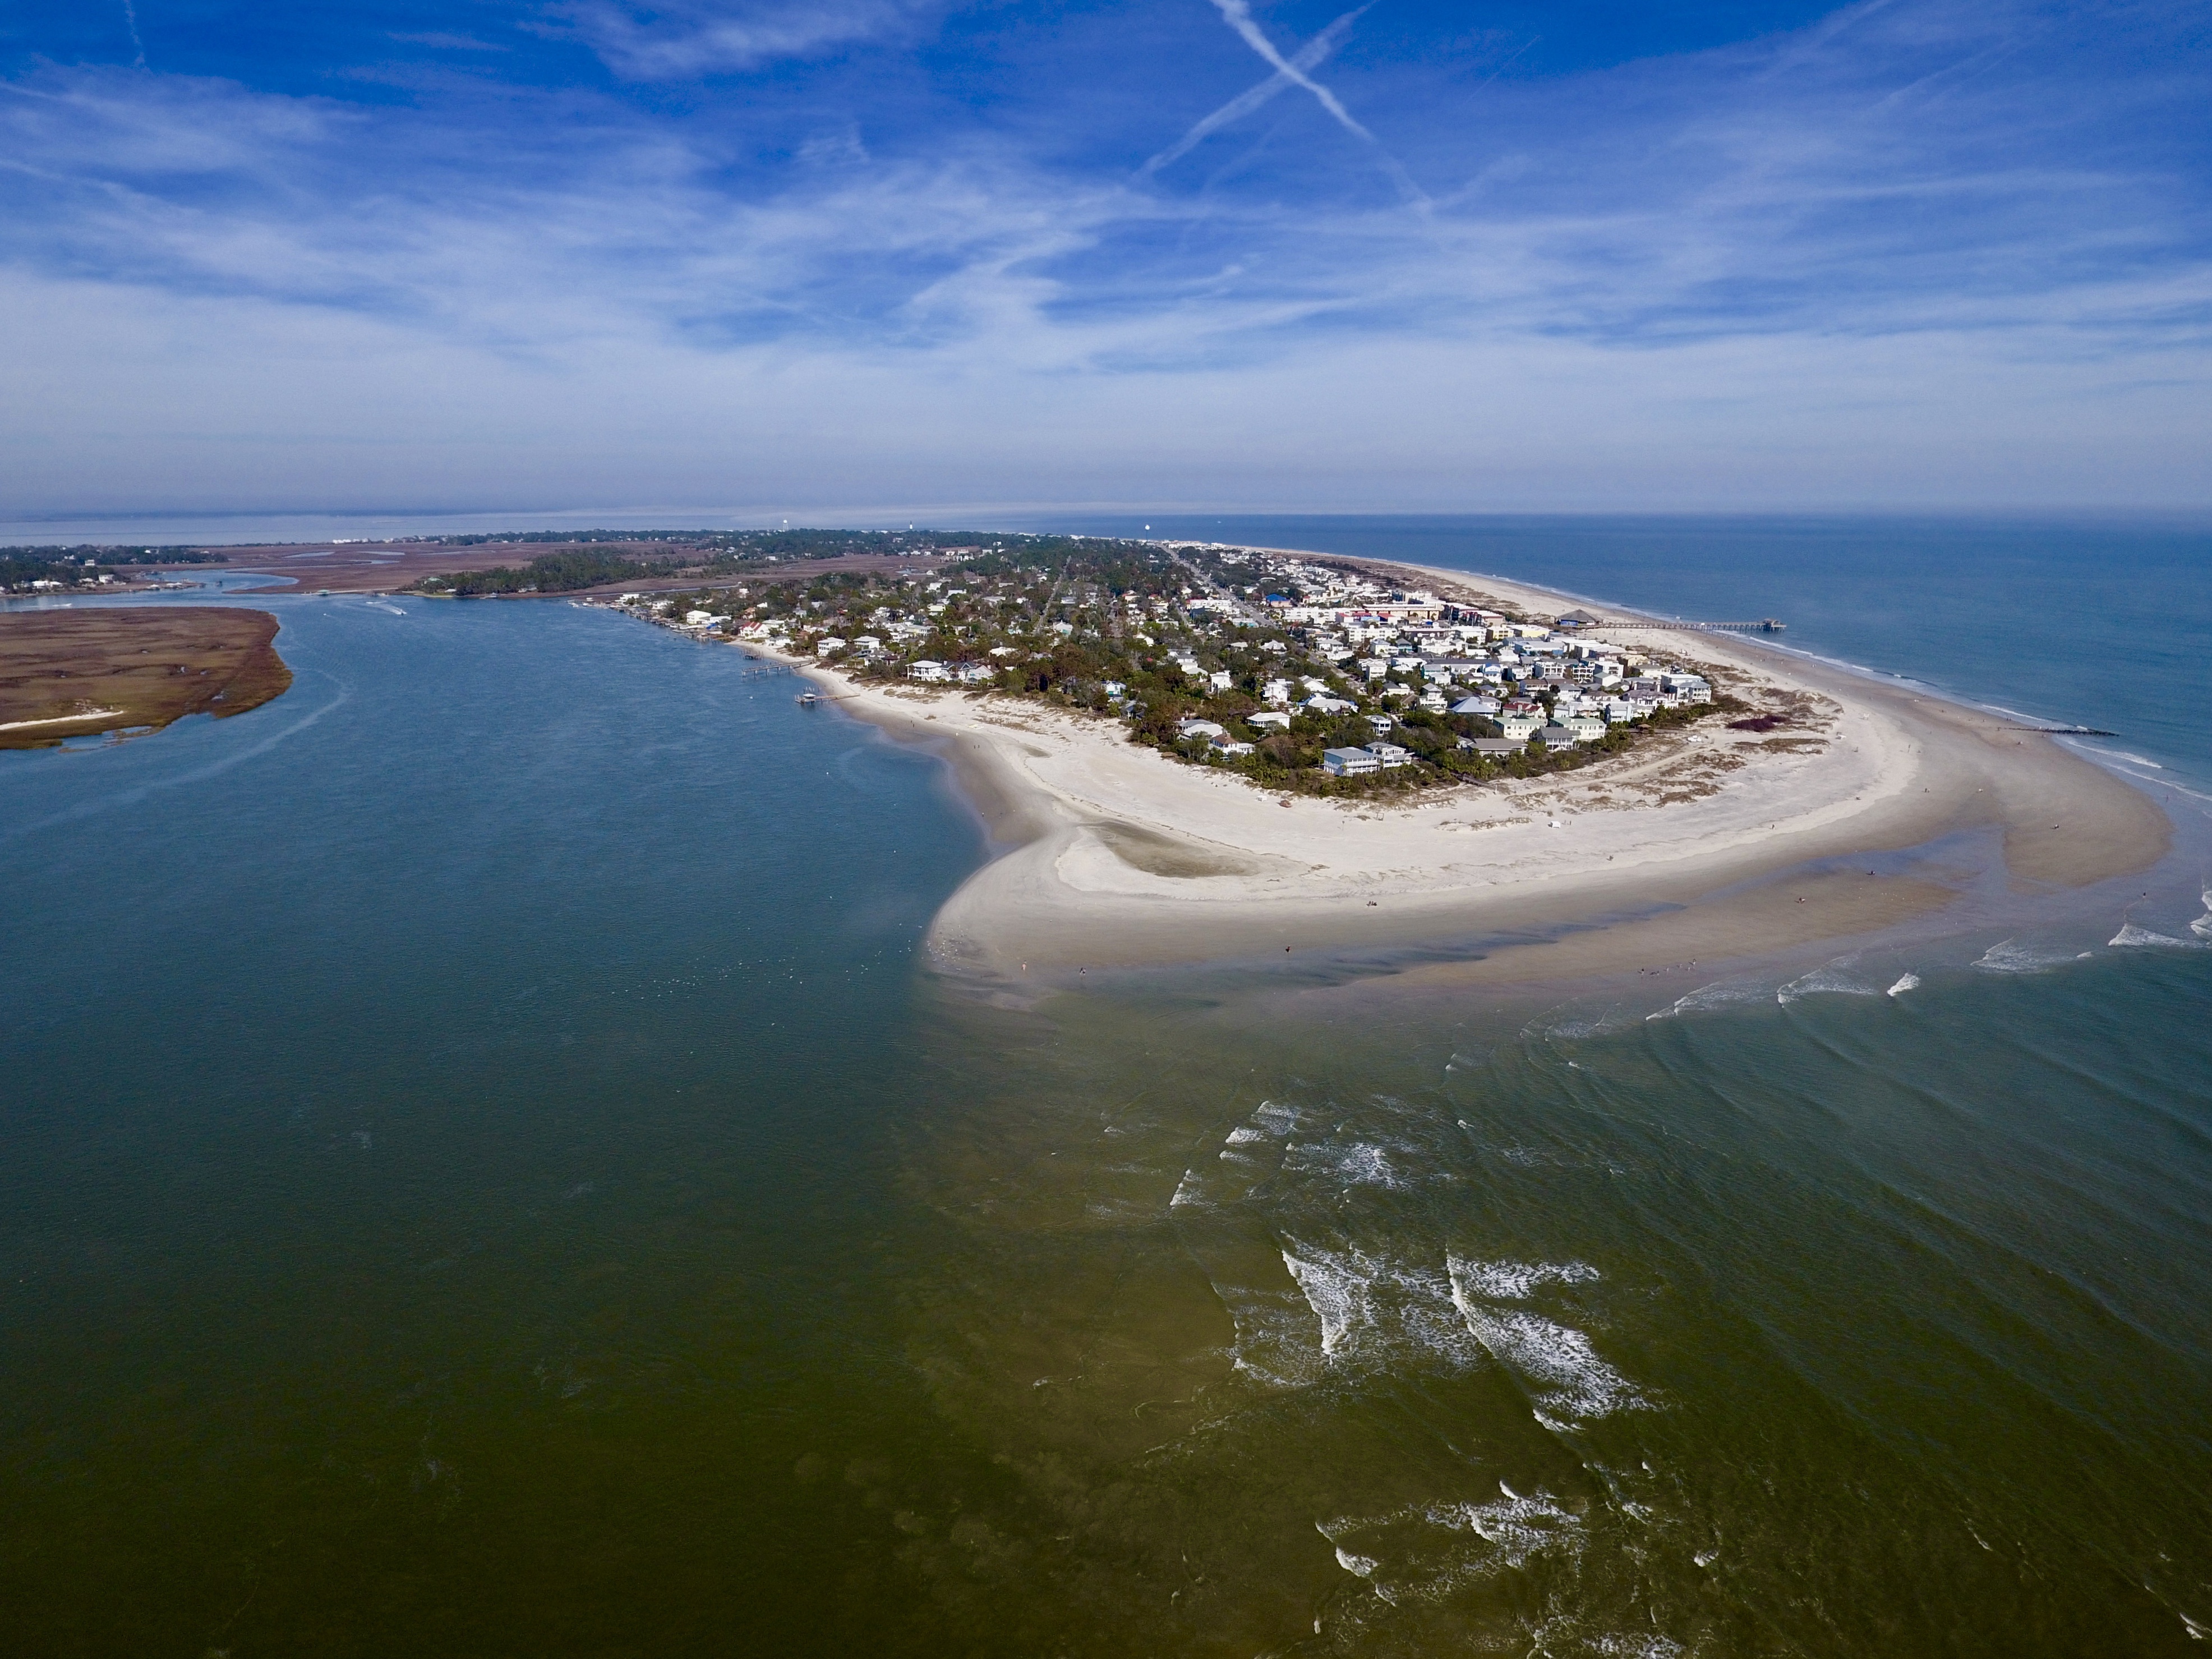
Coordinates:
<point>808,699</point>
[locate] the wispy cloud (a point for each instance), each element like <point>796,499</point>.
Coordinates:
<point>439,40</point>
<point>687,41</point>
<point>1759,249</point>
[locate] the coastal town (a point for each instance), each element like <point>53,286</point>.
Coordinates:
<point>1297,673</point>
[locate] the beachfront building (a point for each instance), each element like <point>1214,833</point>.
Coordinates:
<point>1390,755</point>
<point>1350,762</point>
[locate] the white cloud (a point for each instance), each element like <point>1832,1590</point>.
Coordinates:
<point>683,42</point>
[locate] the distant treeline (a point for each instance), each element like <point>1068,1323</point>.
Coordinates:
<point>743,543</point>
<point>550,572</point>
<point>729,552</point>
<point>21,565</point>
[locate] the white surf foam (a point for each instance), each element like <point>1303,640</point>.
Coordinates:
<point>1426,1551</point>
<point>1904,982</point>
<point>1721,994</point>
<point>2010,956</point>
<point>1189,1191</point>
<point>1516,1527</point>
<point>2132,938</point>
<point>1516,1281</point>
<point>1276,1345</point>
<point>1564,1375</point>
<point>1360,1164</point>
<point>1375,1313</point>
<point>1830,980</point>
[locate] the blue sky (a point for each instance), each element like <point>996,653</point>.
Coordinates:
<point>847,254</point>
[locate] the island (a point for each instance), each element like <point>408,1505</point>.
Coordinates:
<point>1191,752</point>
<point>131,669</point>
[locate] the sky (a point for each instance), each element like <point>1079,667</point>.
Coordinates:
<point>835,255</point>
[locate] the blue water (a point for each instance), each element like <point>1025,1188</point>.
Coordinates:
<point>482,1170</point>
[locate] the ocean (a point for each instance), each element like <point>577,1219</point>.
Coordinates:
<point>488,1168</point>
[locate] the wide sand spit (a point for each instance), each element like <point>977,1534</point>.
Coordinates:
<point>1704,845</point>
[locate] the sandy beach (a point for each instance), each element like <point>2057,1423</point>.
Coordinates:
<point>1705,844</point>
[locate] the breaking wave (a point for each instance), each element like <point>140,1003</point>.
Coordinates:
<point>1566,1380</point>
<point>1360,1164</point>
<point>1377,1314</point>
<point>1426,1551</point>
<point>1828,980</point>
<point>2132,938</point>
<point>2009,956</point>
<point>1721,994</point>
<point>1904,982</point>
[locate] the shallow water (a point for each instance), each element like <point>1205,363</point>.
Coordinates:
<point>485,1173</point>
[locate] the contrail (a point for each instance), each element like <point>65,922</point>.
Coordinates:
<point>131,16</point>
<point>1244,103</point>
<point>1238,13</point>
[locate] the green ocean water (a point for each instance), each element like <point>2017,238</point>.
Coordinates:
<point>484,1169</point>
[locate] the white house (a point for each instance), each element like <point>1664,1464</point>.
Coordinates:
<point>1210,731</point>
<point>927,670</point>
<point>1321,703</point>
<point>1389,756</point>
<point>1349,762</point>
<point>1269,720</point>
